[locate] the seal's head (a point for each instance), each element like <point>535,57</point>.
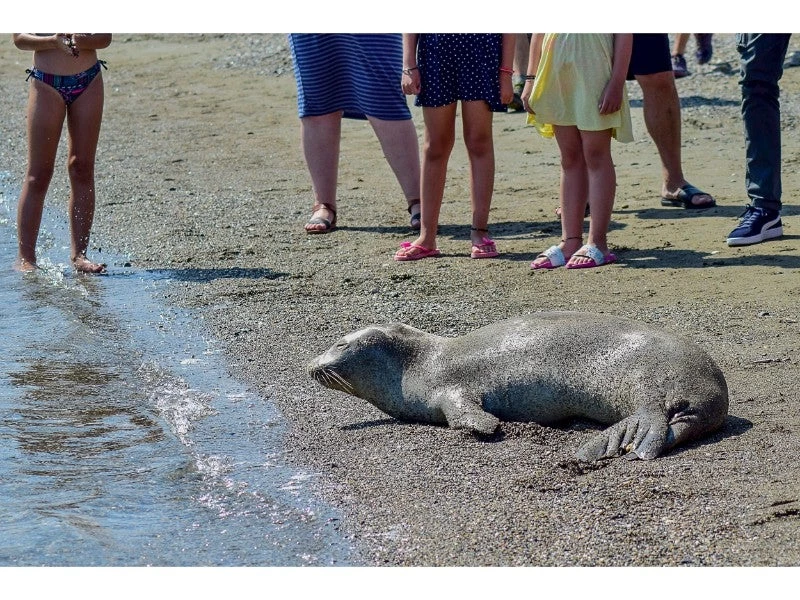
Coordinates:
<point>367,363</point>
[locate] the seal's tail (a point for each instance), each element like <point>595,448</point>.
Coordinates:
<point>644,434</point>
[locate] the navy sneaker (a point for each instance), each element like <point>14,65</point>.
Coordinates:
<point>756,225</point>
<point>679,66</point>
<point>705,49</point>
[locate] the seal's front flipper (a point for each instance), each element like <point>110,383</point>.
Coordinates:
<point>461,413</point>
<point>645,435</point>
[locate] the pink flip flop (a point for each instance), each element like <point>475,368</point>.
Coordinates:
<point>595,256</point>
<point>486,249</point>
<point>409,251</point>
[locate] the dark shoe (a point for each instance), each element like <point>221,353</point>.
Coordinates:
<point>413,210</point>
<point>327,225</point>
<point>704,47</point>
<point>756,225</point>
<point>685,197</point>
<point>516,104</point>
<point>679,66</point>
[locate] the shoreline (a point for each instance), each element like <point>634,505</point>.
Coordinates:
<point>199,171</point>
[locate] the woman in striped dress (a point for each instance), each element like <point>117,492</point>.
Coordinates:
<point>356,76</point>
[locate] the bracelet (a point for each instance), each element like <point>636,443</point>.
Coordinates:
<point>529,77</point>
<point>506,70</point>
<point>408,70</point>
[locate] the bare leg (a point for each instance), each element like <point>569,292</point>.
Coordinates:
<point>521,51</point>
<point>46,112</point>
<point>520,65</point>
<point>477,123</point>
<point>679,47</point>
<point>662,117</point>
<point>602,179</point>
<point>400,146</point>
<point>678,59</point>
<point>573,192</point>
<point>320,138</point>
<point>438,144</point>
<point>83,123</point>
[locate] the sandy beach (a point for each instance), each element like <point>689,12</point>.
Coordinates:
<point>200,171</point>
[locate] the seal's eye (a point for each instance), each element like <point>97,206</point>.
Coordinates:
<point>341,345</point>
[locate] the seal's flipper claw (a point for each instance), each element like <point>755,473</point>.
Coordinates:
<point>654,441</point>
<point>606,444</point>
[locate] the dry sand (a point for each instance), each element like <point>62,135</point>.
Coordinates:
<point>200,171</point>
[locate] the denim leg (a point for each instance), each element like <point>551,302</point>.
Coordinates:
<point>762,56</point>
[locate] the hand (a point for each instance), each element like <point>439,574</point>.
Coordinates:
<point>526,95</point>
<point>506,88</point>
<point>66,44</point>
<point>611,100</point>
<point>411,83</point>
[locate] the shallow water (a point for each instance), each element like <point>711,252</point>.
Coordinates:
<point>123,440</point>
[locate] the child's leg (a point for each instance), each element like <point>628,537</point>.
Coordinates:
<point>477,122</point>
<point>438,144</point>
<point>400,146</point>
<point>602,180</point>
<point>321,136</point>
<point>83,122</point>
<point>46,112</point>
<point>573,191</point>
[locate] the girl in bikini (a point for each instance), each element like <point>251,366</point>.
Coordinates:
<point>66,85</point>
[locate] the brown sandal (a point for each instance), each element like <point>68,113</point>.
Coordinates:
<point>329,225</point>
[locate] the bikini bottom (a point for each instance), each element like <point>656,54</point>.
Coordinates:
<point>69,86</point>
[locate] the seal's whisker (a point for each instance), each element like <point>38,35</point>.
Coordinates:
<point>328,377</point>
<point>343,383</point>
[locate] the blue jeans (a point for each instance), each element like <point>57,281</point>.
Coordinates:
<point>762,56</point>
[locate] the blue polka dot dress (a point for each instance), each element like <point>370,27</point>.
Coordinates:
<point>460,66</point>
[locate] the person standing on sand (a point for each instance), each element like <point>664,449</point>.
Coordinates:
<point>443,69</point>
<point>578,96</point>
<point>762,56</point>
<point>352,75</point>
<point>651,67</point>
<point>67,85</point>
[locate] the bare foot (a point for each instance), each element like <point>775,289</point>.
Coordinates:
<point>84,265</point>
<point>25,266</point>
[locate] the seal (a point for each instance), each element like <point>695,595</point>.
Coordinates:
<point>655,389</point>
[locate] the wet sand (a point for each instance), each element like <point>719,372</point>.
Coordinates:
<point>200,171</point>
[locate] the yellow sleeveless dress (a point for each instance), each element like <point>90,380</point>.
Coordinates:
<point>573,71</point>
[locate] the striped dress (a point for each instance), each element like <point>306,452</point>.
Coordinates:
<point>352,72</point>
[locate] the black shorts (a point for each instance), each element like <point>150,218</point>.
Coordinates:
<point>650,54</point>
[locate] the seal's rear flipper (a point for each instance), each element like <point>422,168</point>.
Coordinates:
<point>644,435</point>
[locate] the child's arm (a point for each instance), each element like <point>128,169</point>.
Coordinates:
<point>534,56</point>
<point>506,68</point>
<point>38,43</point>
<point>611,100</point>
<point>411,81</point>
<point>91,41</point>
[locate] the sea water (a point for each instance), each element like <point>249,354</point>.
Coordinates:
<point>123,440</point>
